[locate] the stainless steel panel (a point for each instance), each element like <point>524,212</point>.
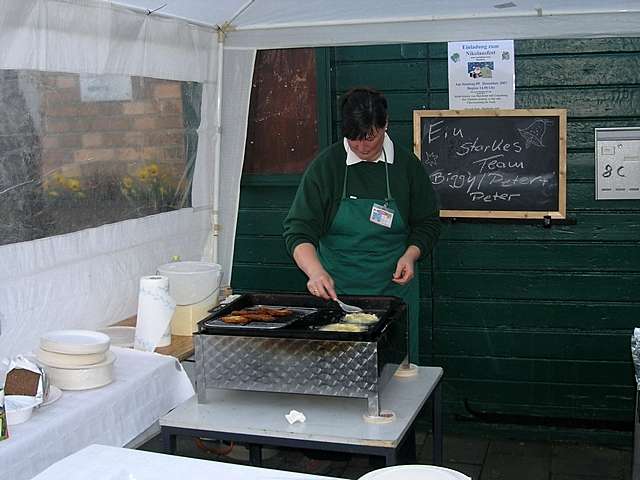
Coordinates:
<point>347,369</point>
<point>357,369</point>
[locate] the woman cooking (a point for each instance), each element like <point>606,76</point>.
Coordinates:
<point>365,211</point>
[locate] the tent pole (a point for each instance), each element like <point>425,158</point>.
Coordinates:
<point>537,12</point>
<point>243,9</point>
<point>215,220</point>
<point>217,181</point>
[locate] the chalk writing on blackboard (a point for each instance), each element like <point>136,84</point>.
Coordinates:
<point>534,133</point>
<point>496,163</point>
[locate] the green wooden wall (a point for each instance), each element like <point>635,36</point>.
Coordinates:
<point>531,325</point>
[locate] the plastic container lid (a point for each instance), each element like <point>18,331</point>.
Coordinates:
<point>81,342</point>
<point>65,360</point>
<point>121,336</point>
<point>191,281</point>
<point>82,378</point>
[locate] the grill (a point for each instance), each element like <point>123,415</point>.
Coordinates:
<point>291,354</point>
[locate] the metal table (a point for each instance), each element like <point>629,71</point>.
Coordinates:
<point>333,423</point>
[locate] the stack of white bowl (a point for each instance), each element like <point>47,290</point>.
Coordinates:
<point>76,359</point>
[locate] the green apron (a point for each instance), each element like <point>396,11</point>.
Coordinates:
<point>361,256</point>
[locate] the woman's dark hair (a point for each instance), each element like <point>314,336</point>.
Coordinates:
<point>363,110</point>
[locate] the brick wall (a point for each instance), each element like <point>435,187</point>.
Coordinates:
<point>80,138</point>
<point>82,152</point>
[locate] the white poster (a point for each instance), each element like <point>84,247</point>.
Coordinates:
<point>481,75</point>
<point>105,88</point>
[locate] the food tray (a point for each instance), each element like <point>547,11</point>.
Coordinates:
<point>298,313</point>
<point>314,314</point>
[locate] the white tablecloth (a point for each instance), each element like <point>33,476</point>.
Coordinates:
<point>145,387</point>
<point>98,462</point>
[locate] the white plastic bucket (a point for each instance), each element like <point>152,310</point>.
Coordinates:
<point>192,281</point>
<point>414,472</point>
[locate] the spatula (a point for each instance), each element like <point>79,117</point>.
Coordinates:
<point>347,308</point>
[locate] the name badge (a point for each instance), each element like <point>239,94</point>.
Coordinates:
<point>381,215</point>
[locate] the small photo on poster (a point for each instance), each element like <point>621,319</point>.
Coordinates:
<point>480,69</point>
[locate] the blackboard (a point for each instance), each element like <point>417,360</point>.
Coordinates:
<point>495,163</point>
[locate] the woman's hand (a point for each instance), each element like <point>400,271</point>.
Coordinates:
<point>320,282</point>
<point>405,268</point>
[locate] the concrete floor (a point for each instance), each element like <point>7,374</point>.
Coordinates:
<point>481,459</point>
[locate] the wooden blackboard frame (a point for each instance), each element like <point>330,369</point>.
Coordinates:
<point>561,114</point>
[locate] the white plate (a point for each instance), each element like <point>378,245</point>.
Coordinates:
<point>121,336</point>
<point>414,472</point>
<point>82,378</point>
<point>68,360</point>
<point>75,341</point>
<point>54,395</point>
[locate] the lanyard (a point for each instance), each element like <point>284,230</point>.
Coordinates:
<point>386,174</point>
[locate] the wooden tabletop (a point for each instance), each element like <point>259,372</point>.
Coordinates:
<point>181,346</point>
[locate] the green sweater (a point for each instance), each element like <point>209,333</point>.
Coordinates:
<point>320,192</point>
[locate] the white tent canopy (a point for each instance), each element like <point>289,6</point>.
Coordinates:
<point>89,278</point>
<point>293,23</point>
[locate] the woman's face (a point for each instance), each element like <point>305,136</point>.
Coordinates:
<point>370,147</point>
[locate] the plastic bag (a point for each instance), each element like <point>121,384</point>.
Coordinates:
<point>4,432</point>
<point>22,365</point>
<point>635,354</point>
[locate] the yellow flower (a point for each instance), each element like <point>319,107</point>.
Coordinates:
<point>52,193</point>
<point>143,173</point>
<point>127,182</point>
<point>73,184</point>
<point>60,178</point>
<point>153,170</point>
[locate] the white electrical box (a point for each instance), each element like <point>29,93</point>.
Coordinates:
<point>617,163</point>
